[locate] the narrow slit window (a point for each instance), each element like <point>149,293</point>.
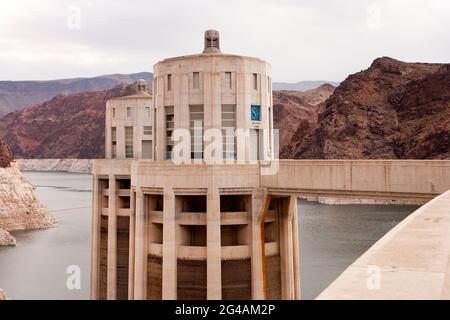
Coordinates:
<point>228,80</point>
<point>255,81</point>
<point>128,142</point>
<point>169,82</point>
<point>196,80</point>
<point>113,142</point>
<point>169,131</point>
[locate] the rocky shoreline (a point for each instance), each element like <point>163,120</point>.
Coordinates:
<point>6,239</point>
<point>19,207</point>
<point>65,165</point>
<point>3,295</point>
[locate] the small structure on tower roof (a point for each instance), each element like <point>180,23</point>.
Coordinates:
<point>141,85</point>
<point>212,43</point>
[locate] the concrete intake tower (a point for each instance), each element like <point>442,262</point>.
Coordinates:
<point>181,209</point>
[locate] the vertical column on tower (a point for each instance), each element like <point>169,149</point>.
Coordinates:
<point>95,246</point>
<point>112,240</point>
<point>296,249</point>
<point>169,263</point>
<point>141,247</point>
<point>290,274</point>
<point>132,244</point>
<point>260,204</point>
<point>160,127</point>
<point>214,248</point>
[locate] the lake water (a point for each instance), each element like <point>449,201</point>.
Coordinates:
<point>331,238</point>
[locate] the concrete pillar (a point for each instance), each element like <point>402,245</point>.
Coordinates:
<point>169,272</point>
<point>289,250</point>
<point>112,240</point>
<point>296,248</point>
<point>95,245</point>
<point>214,246</point>
<point>141,248</point>
<point>160,129</point>
<point>241,114</point>
<point>286,249</point>
<point>260,205</point>
<point>132,242</point>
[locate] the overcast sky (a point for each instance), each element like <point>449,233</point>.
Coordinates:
<point>303,40</point>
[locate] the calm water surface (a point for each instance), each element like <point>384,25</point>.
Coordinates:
<point>331,238</point>
<point>36,267</point>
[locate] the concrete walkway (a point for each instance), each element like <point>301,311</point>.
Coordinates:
<point>412,261</point>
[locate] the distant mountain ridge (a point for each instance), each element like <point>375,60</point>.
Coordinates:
<point>392,110</point>
<point>16,95</point>
<point>67,126</point>
<point>301,85</point>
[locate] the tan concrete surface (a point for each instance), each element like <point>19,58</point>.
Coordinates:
<point>410,262</point>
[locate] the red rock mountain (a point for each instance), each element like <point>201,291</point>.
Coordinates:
<point>5,154</point>
<point>296,109</point>
<point>67,126</point>
<point>72,126</point>
<point>393,110</point>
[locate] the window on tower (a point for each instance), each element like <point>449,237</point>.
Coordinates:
<point>113,142</point>
<point>228,80</point>
<point>128,142</point>
<point>169,82</point>
<point>255,81</point>
<point>255,113</point>
<point>147,130</point>
<point>196,80</point>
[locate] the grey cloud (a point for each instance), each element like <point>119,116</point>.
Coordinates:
<point>303,40</point>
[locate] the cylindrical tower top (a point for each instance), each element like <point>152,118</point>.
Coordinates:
<point>212,43</point>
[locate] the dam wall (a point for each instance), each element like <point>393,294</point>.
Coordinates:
<point>347,181</point>
<point>326,181</point>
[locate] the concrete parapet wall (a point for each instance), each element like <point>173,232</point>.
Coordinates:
<point>413,181</point>
<point>410,262</point>
<point>405,181</point>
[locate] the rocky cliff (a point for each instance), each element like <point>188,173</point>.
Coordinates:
<point>392,110</point>
<point>3,295</point>
<point>296,109</point>
<point>5,155</point>
<point>19,207</point>
<point>67,126</point>
<point>16,95</point>
<point>66,165</point>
